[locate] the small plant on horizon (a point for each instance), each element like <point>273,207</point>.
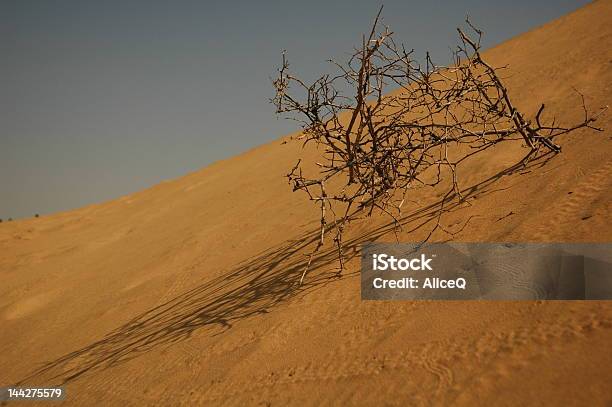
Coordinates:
<point>377,153</point>
<point>36,216</point>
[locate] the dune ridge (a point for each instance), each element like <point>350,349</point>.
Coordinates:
<point>185,293</point>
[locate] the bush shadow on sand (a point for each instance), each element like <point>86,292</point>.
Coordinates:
<point>253,287</point>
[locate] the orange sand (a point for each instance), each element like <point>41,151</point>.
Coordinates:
<point>184,293</point>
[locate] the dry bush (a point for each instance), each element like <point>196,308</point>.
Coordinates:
<point>378,146</point>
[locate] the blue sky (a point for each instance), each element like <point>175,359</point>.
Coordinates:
<point>101,99</point>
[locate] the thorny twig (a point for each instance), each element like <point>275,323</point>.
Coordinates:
<point>389,140</point>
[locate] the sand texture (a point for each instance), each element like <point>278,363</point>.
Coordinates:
<point>184,293</point>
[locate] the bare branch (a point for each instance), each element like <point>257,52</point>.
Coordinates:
<point>382,145</point>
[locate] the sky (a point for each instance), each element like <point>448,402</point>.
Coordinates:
<point>104,98</point>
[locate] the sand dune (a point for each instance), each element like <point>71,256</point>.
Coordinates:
<point>185,293</point>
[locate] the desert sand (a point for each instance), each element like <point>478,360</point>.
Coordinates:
<point>186,294</point>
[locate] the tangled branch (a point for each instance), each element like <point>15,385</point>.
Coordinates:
<point>378,146</point>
